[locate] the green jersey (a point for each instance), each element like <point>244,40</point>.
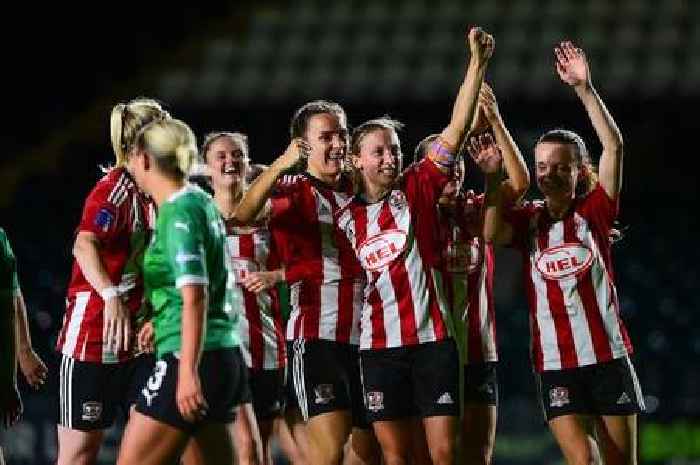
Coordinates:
<point>8,271</point>
<point>187,247</point>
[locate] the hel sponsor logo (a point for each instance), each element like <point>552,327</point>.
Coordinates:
<point>242,267</point>
<point>375,401</point>
<point>92,411</point>
<point>563,261</point>
<point>324,394</point>
<point>377,252</point>
<point>558,397</point>
<point>445,398</point>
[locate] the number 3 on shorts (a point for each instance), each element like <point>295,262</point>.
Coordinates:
<point>154,382</point>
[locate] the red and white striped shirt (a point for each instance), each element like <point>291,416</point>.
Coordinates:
<point>325,280</point>
<point>260,326</point>
<point>574,311</point>
<point>122,218</point>
<point>397,241</point>
<point>469,266</point>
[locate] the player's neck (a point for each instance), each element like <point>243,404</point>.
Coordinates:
<point>558,207</point>
<point>163,188</point>
<point>227,201</point>
<point>331,180</point>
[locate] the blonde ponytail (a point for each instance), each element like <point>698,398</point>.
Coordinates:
<point>127,119</point>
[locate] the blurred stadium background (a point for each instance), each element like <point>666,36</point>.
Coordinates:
<point>245,66</point>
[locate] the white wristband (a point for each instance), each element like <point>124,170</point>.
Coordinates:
<point>109,293</point>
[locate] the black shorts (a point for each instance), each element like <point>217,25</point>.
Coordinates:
<point>268,392</point>
<point>420,380</point>
<point>480,384</point>
<point>291,393</point>
<point>222,374</point>
<point>326,377</point>
<point>91,393</point>
<point>609,388</point>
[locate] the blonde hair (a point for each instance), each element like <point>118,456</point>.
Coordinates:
<point>172,145</point>
<point>127,119</point>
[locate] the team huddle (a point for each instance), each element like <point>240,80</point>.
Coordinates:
<point>337,301</point>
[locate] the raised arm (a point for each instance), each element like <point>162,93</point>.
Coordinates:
<point>259,191</point>
<point>487,156</point>
<point>518,176</point>
<point>573,69</point>
<point>481,45</point>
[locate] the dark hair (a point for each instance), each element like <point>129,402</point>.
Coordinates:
<point>300,120</point>
<point>566,137</point>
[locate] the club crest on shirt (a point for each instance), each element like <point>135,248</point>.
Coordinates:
<point>378,251</point>
<point>558,397</point>
<point>375,401</point>
<point>564,261</point>
<point>92,410</point>
<point>397,199</point>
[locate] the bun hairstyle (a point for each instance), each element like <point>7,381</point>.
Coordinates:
<point>171,144</point>
<point>564,136</point>
<point>127,119</point>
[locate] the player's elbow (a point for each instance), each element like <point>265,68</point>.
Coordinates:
<point>84,243</point>
<point>520,185</point>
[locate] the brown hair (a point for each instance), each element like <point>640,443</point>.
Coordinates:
<point>564,136</point>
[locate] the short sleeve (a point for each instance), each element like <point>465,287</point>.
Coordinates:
<point>185,247</point>
<point>9,262</point>
<point>519,219</point>
<point>101,215</point>
<point>599,208</point>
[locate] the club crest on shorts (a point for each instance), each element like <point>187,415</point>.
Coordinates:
<point>324,393</point>
<point>558,397</point>
<point>375,401</point>
<point>92,410</point>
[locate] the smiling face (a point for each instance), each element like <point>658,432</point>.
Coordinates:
<point>379,159</point>
<point>227,162</point>
<point>557,170</point>
<point>326,133</point>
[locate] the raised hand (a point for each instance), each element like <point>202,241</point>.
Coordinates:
<point>572,65</point>
<point>297,150</point>
<point>488,104</point>
<point>481,44</point>
<point>485,153</point>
